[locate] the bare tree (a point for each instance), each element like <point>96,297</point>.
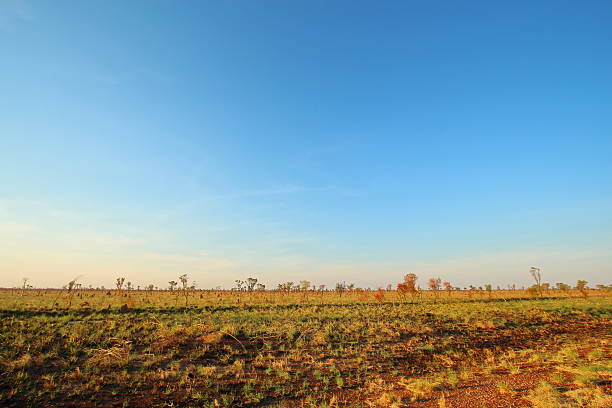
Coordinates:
<point>183,278</point>
<point>340,287</point>
<point>72,285</point>
<point>537,277</point>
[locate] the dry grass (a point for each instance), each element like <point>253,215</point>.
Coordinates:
<point>302,350</point>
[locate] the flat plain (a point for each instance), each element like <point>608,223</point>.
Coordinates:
<point>358,348</point>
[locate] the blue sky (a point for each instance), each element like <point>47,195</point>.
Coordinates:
<point>323,140</point>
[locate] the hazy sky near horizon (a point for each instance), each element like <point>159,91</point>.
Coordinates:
<point>323,140</point>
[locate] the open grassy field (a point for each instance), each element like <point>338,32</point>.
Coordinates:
<point>305,349</point>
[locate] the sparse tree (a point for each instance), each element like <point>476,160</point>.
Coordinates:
<point>562,286</point>
<point>119,283</point>
<point>536,274</point>
<point>304,285</point>
<point>581,285</point>
<point>183,278</point>
<point>184,288</point>
<point>448,287</point>
<point>240,284</point>
<point>250,284</point>
<point>402,289</point>
<point>70,287</point>
<point>409,286</point>
<point>379,295</point>
<point>172,285</point>
<point>489,289</point>
<point>434,283</point>
<point>410,280</point>
<point>287,286</point>
<point>24,285</point>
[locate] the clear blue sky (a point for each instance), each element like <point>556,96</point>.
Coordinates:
<point>318,140</point>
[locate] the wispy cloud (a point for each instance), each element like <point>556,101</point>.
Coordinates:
<point>268,192</point>
<point>282,190</point>
<point>286,190</point>
<point>216,197</point>
<point>15,227</point>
